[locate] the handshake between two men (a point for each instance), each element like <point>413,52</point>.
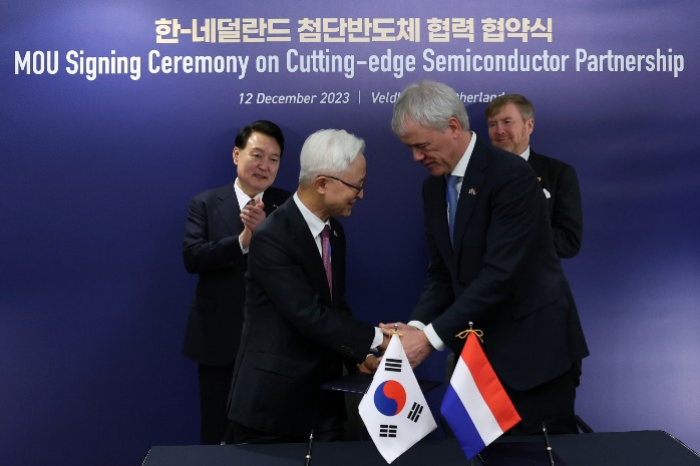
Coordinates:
<point>414,341</point>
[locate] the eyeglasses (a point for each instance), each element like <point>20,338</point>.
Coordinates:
<point>355,187</point>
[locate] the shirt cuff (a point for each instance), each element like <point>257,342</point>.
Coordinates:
<point>433,338</point>
<point>417,324</point>
<point>378,339</point>
<point>243,250</point>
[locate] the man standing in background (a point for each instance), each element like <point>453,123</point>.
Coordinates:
<point>511,120</point>
<point>218,230</point>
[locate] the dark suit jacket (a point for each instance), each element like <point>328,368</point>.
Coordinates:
<point>295,337</point>
<point>564,203</point>
<point>503,274</point>
<point>211,249</point>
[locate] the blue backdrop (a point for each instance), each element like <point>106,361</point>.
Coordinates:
<point>97,166</point>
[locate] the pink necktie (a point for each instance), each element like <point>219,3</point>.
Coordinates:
<point>326,254</point>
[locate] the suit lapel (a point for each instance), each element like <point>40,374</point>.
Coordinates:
<point>539,165</point>
<point>229,211</point>
<point>271,200</point>
<point>312,260</point>
<point>434,193</point>
<point>535,161</point>
<point>337,259</point>
<point>471,187</point>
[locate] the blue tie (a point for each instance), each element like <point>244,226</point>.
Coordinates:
<point>452,198</point>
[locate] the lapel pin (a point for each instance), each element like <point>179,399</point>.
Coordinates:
<point>335,233</point>
<point>472,192</point>
<point>539,179</point>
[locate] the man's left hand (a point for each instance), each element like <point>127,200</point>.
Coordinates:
<point>369,365</point>
<point>253,214</point>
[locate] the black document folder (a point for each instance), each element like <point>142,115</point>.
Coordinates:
<point>358,382</point>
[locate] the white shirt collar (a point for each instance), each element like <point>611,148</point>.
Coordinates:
<point>315,224</point>
<point>243,198</point>
<point>526,154</point>
<point>461,167</point>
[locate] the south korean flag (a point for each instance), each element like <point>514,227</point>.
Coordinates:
<point>394,409</point>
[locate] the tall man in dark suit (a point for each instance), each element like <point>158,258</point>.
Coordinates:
<point>215,246</point>
<point>511,120</point>
<point>499,268</point>
<point>298,329</point>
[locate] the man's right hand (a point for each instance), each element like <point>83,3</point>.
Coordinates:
<point>251,216</point>
<point>369,365</point>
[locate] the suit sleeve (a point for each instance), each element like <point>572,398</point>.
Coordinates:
<point>567,221</point>
<point>437,292</point>
<point>282,269</point>
<point>202,250</point>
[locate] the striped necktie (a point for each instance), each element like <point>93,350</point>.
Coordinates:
<point>326,255</point>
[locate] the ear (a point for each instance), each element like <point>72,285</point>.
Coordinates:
<point>530,125</point>
<point>236,155</point>
<point>454,125</point>
<point>320,184</point>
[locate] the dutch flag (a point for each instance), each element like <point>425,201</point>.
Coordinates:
<point>476,406</point>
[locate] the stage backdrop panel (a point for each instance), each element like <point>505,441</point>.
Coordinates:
<point>115,113</point>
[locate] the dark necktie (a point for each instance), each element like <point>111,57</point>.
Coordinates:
<point>452,197</point>
<point>326,255</point>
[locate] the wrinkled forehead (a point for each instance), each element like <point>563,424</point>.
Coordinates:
<point>415,134</point>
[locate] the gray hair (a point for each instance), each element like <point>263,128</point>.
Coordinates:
<point>428,103</point>
<point>328,152</point>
